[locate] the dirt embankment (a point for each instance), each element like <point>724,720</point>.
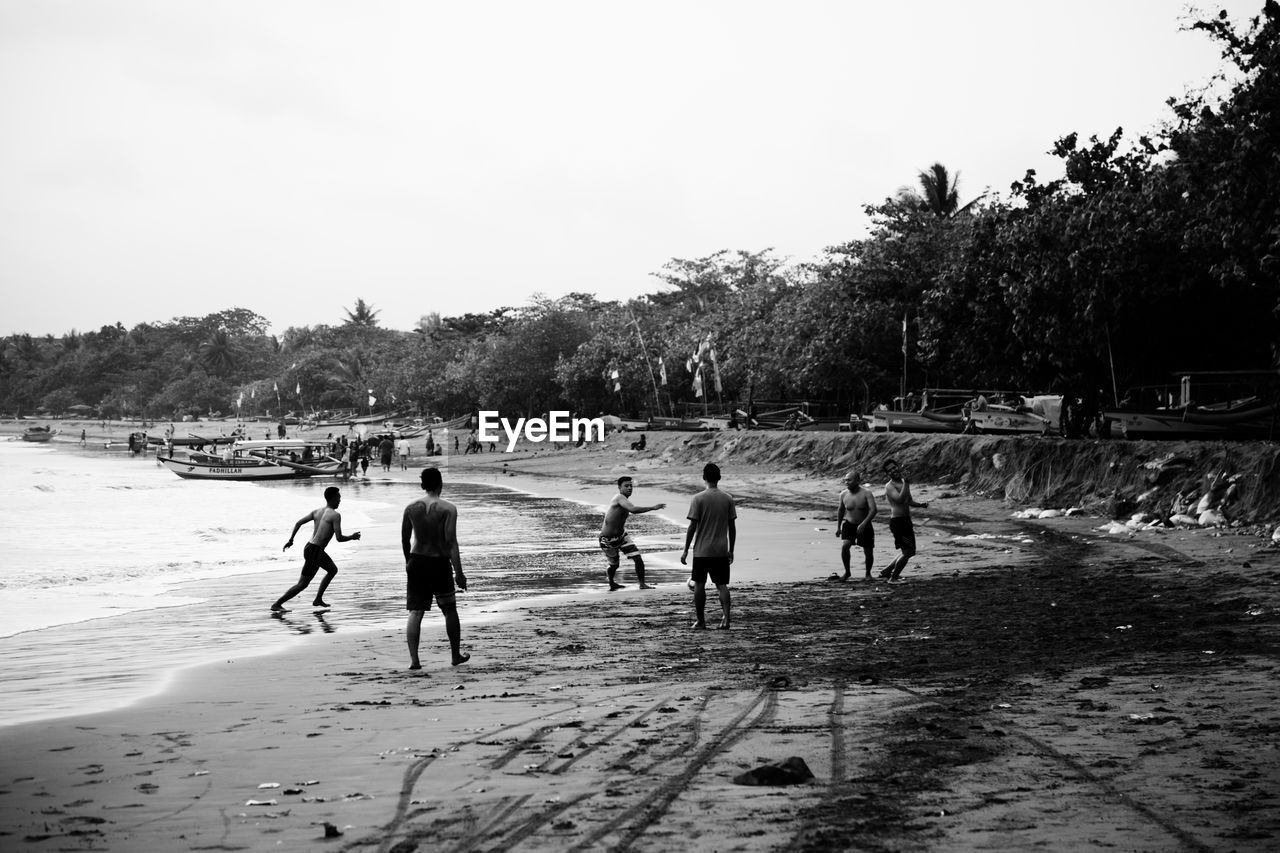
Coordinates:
<point>1043,472</point>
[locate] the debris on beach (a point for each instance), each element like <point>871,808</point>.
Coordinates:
<point>793,771</point>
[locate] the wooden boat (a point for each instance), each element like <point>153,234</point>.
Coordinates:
<point>38,433</point>
<point>257,460</point>
<point>1009,420</point>
<point>941,410</point>
<point>1243,419</point>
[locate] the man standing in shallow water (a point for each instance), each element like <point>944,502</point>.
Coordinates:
<point>898,492</point>
<point>431,524</point>
<point>712,520</point>
<point>614,539</point>
<point>853,523</point>
<point>328,523</point>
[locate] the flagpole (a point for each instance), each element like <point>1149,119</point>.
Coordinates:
<point>657,397</point>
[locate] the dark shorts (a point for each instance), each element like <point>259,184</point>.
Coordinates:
<point>428,577</point>
<point>904,533</point>
<point>715,567</point>
<point>849,532</point>
<point>613,546</point>
<point>314,559</point>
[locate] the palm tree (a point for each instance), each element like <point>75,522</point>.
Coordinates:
<point>362,315</point>
<point>219,353</point>
<point>350,374</point>
<point>939,193</point>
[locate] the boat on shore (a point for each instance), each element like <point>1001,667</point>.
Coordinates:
<point>257,460</point>
<point>1241,420</point>
<point>38,433</point>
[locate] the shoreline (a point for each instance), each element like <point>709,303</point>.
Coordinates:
<point>1034,684</point>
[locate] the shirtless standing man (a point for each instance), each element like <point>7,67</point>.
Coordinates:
<point>615,540</point>
<point>853,522</point>
<point>328,524</point>
<point>431,523</point>
<point>898,492</point>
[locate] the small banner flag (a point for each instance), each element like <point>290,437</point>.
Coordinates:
<point>276,385</point>
<point>372,400</point>
<point>662,371</point>
<point>697,383</point>
<point>613,375</point>
<point>298,389</point>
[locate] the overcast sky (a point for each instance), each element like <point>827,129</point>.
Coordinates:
<point>169,158</point>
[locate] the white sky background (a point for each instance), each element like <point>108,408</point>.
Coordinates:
<point>172,158</point>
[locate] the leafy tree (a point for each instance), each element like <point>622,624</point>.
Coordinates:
<point>362,315</point>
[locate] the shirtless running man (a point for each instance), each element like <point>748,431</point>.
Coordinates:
<point>898,492</point>
<point>431,524</point>
<point>614,539</point>
<point>853,523</point>
<point>328,524</point>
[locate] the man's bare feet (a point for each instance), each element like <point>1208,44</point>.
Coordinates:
<point>646,586</point>
<point>415,665</point>
<point>723,626</point>
<point>461,659</point>
<point>616,586</point>
<point>318,603</point>
<point>277,608</point>
<point>699,625</point>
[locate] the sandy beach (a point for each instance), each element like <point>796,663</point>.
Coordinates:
<point>1034,684</point>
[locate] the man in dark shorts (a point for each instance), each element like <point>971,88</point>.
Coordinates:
<point>898,492</point>
<point>429,537</point>
<point>328,524</point>
<point>853,523</point>
<point>614,539</point>
<point>712,521</point>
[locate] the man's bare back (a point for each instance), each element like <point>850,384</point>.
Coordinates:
<point>433,522</point>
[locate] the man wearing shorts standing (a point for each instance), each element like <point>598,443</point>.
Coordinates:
<point>327,523</point>
<point>712,532</point>
<point>614,539</point>
<point>853,523</point>
<point>429,537</point>
<point>898,493</point>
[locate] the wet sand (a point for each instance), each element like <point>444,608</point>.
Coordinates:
<point>1033,685</point>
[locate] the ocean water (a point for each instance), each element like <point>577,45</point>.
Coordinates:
<point>116,573</point>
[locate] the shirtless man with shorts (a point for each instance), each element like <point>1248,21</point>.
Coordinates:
<point>614,539</point>
<point>898,492</point>
<point>328,524</point>
<point>431,525</point>
<point>853,523</point>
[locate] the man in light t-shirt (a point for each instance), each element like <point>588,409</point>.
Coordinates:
<point>712,533</point>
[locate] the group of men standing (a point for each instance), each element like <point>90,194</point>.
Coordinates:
<point>433,564</point>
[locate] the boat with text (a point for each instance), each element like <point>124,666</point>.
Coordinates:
<point>256,460</point>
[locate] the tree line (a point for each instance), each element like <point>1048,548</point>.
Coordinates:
<point>1149,255</point>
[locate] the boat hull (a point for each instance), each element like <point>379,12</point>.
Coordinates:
<point>887,421</point>
<point>1002,422</point>
<point>1179,424</point>
<point>238,471</point>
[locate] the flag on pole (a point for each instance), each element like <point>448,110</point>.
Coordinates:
<point>372,400</point>
<point>697,383</point>
<point>298,389</point>
<point>253,392</point>
<point>904,332</point>
<point>662,370</point>
<point>240,400</point>
<point>614,375</point>
<point>276,385</point>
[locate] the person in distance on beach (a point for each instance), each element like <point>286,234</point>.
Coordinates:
<point>898,493</point>
<point>853,523</point>
<point>327,523</point>
<point>429,537</point>
<point>614,539</point>
<point>713,533</point>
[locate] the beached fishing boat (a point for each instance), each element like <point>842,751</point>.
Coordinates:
<point>1246,405</point>
<point>940,410</point>
<point>1244,419</point>
<point>38,433</point>
<point>256,460</point>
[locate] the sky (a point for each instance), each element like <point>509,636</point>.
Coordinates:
<point>174,158</point>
